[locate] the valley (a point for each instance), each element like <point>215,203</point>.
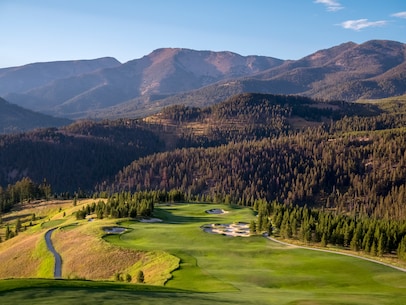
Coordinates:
<point>205,177</point>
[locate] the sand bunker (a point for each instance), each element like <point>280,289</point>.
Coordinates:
<point>235,229</point>
<point>150,220</point>
<point>114,230</point>
<point>216,211</point>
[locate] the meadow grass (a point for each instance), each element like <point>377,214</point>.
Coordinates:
<point>17,257</point>
<point>52,223</point>
<point>41,253</point>
<point>395,104</point>
<point>47,214</point>
<point>216,269</point>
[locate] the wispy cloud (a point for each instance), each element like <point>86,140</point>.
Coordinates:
<point>332,5</point>
<point>400,15</point>
<point>361,24</point>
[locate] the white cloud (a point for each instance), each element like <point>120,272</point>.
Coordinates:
<point>361,24</point>
<point>332,5</point>
<point>400,15</point>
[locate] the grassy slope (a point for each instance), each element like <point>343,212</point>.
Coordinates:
<point>85,254</point>
<point>259,271</point>
<point>26,255</point>
<point>239,270</point>
<point>396,104</point>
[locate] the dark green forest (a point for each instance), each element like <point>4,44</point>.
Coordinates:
<point>328,172</point>
<point>77,156</point>
<point>24,190</point>
<point>322,227</point>
<point>127,204</point>
<point>350,157</point>
<point>363,171</point>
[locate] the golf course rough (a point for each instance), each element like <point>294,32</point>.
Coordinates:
<point>216,269</point>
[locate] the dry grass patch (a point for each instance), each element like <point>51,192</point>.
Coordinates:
<point>16,256</point>
<point>86,255</point>
<point>43,212</point>
<point>41,208</point>
<point>68,209</point>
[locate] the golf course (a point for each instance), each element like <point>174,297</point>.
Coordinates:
<point>185,264</point>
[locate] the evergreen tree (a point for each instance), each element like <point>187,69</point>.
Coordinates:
<point>18,226</point>
<point>140,277</point>
<point>402,249</point>
<point>253,227</point>
<point>8,233</point>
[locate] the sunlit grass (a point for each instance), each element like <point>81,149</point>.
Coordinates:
<point>255,266</point>
<point>213,269</point>
<point>45,258</point>
<point>17,257</point>
<point>395,104</point>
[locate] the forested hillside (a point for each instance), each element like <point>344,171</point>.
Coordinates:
<point>363,171</point>
<point>252,146</point>
<point>251,117</point>
<point>321,172</point>
<point>347,162</point>
<point>76,156</point>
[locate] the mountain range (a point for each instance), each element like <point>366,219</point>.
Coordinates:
<point>14,118</point>
<point>105,88</point>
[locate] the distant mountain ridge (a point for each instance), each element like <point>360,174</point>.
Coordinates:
<point>164,71</point>
<point>27,77</point>
<point>14,119</point>
<point>350,71</point>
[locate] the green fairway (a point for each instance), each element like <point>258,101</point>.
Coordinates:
<point>216,269</point>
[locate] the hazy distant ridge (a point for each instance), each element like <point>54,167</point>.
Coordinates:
<point>350,71</point>
<point>14,119</point>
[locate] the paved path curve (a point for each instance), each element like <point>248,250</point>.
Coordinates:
<point>335,252</point>
<point>58,259</point>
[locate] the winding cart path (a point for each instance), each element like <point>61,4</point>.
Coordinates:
<point>58,259</point>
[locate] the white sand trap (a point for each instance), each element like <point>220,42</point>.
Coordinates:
<point>150,220</point>
<point>235,229</point>
<point>216,211</point>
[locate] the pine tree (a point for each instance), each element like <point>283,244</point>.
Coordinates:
<point>402,249</point>
<point>381,245</point>
<point>18,226</point>
<point>140,277</point>
<point>323,241</point>
<point>253,227</point>
<point>270,228</point>
<point>8,233</point>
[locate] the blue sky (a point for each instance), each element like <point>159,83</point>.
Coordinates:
<point>49,30</point>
